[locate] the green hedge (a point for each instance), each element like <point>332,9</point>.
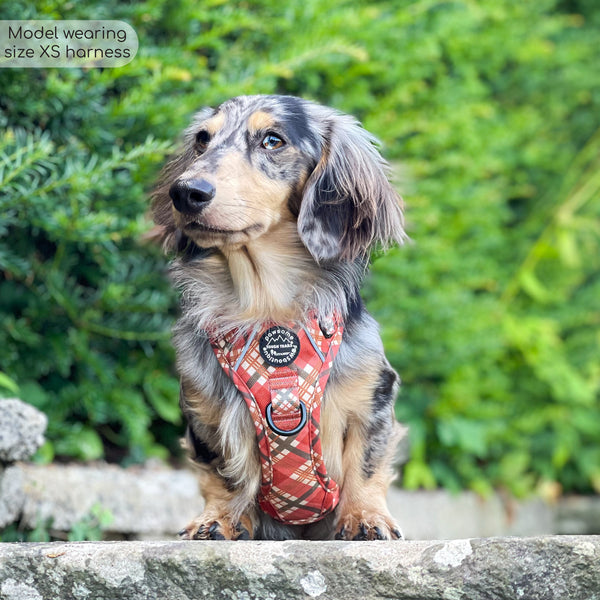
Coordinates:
<point>490,314</point>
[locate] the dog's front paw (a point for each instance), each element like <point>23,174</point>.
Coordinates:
<point>367,526</point>
<point>207,527</point>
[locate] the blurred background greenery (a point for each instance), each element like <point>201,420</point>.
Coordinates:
<point>490,112</point>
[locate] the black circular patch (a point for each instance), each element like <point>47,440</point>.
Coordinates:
<point>279,346</point>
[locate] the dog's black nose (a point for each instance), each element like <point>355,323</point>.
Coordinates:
<point>191,196</point>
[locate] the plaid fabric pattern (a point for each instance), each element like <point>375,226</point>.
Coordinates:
<point>295,487</point>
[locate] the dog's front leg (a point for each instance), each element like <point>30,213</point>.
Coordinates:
<point>221,442</point>
<point>221,519</point>
<point>370,443</point>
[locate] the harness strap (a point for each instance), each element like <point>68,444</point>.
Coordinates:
<point>286,413</point>
<point>281,372</point>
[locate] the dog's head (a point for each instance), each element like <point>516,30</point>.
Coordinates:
<point>259,160</point>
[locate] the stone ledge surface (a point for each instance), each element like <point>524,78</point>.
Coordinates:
<point>540,568</point>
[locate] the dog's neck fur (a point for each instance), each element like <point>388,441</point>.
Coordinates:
<point>268,274</point>
<point>273,278</point>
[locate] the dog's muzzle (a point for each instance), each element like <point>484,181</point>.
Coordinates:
<point>191,196</point>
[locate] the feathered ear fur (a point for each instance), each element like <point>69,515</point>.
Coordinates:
<point>348,203</point>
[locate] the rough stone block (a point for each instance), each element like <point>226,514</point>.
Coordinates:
<point>578,515</point>
<point>150,501</point>
<point>22,430</point>
<point>12,495</point>
<point>438,514</point>
<point>547,568</point>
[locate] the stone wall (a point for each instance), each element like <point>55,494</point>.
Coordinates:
<point>545,568</point>
<point>155,502</point>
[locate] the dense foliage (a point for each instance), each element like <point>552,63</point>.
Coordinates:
<point>490,314</point>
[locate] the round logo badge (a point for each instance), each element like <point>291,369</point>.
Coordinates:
<point>279,346</point>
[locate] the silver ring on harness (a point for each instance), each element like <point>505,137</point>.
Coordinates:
<point>269,415</point>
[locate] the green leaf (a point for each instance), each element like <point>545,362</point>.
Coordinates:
<point>80,442</point>
<point>418,475</point>
<point>163,393</point>
<point>8,384</point>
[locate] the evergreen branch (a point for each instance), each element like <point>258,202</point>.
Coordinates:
<point>109,332</point>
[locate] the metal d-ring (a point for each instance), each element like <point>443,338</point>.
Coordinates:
<point>269,415</point>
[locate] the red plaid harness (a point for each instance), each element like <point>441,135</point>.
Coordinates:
<point>281,372</point>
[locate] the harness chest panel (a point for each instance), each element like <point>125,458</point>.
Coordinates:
<point>281,372</point>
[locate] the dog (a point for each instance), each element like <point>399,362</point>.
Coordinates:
<point>272,207</point>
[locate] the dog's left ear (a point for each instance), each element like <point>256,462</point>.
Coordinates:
<point>348,203</point>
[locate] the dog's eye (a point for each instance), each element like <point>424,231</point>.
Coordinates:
<point>202,139</point>
<point>272,142</point>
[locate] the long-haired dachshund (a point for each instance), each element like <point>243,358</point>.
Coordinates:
<point>272,206</point>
